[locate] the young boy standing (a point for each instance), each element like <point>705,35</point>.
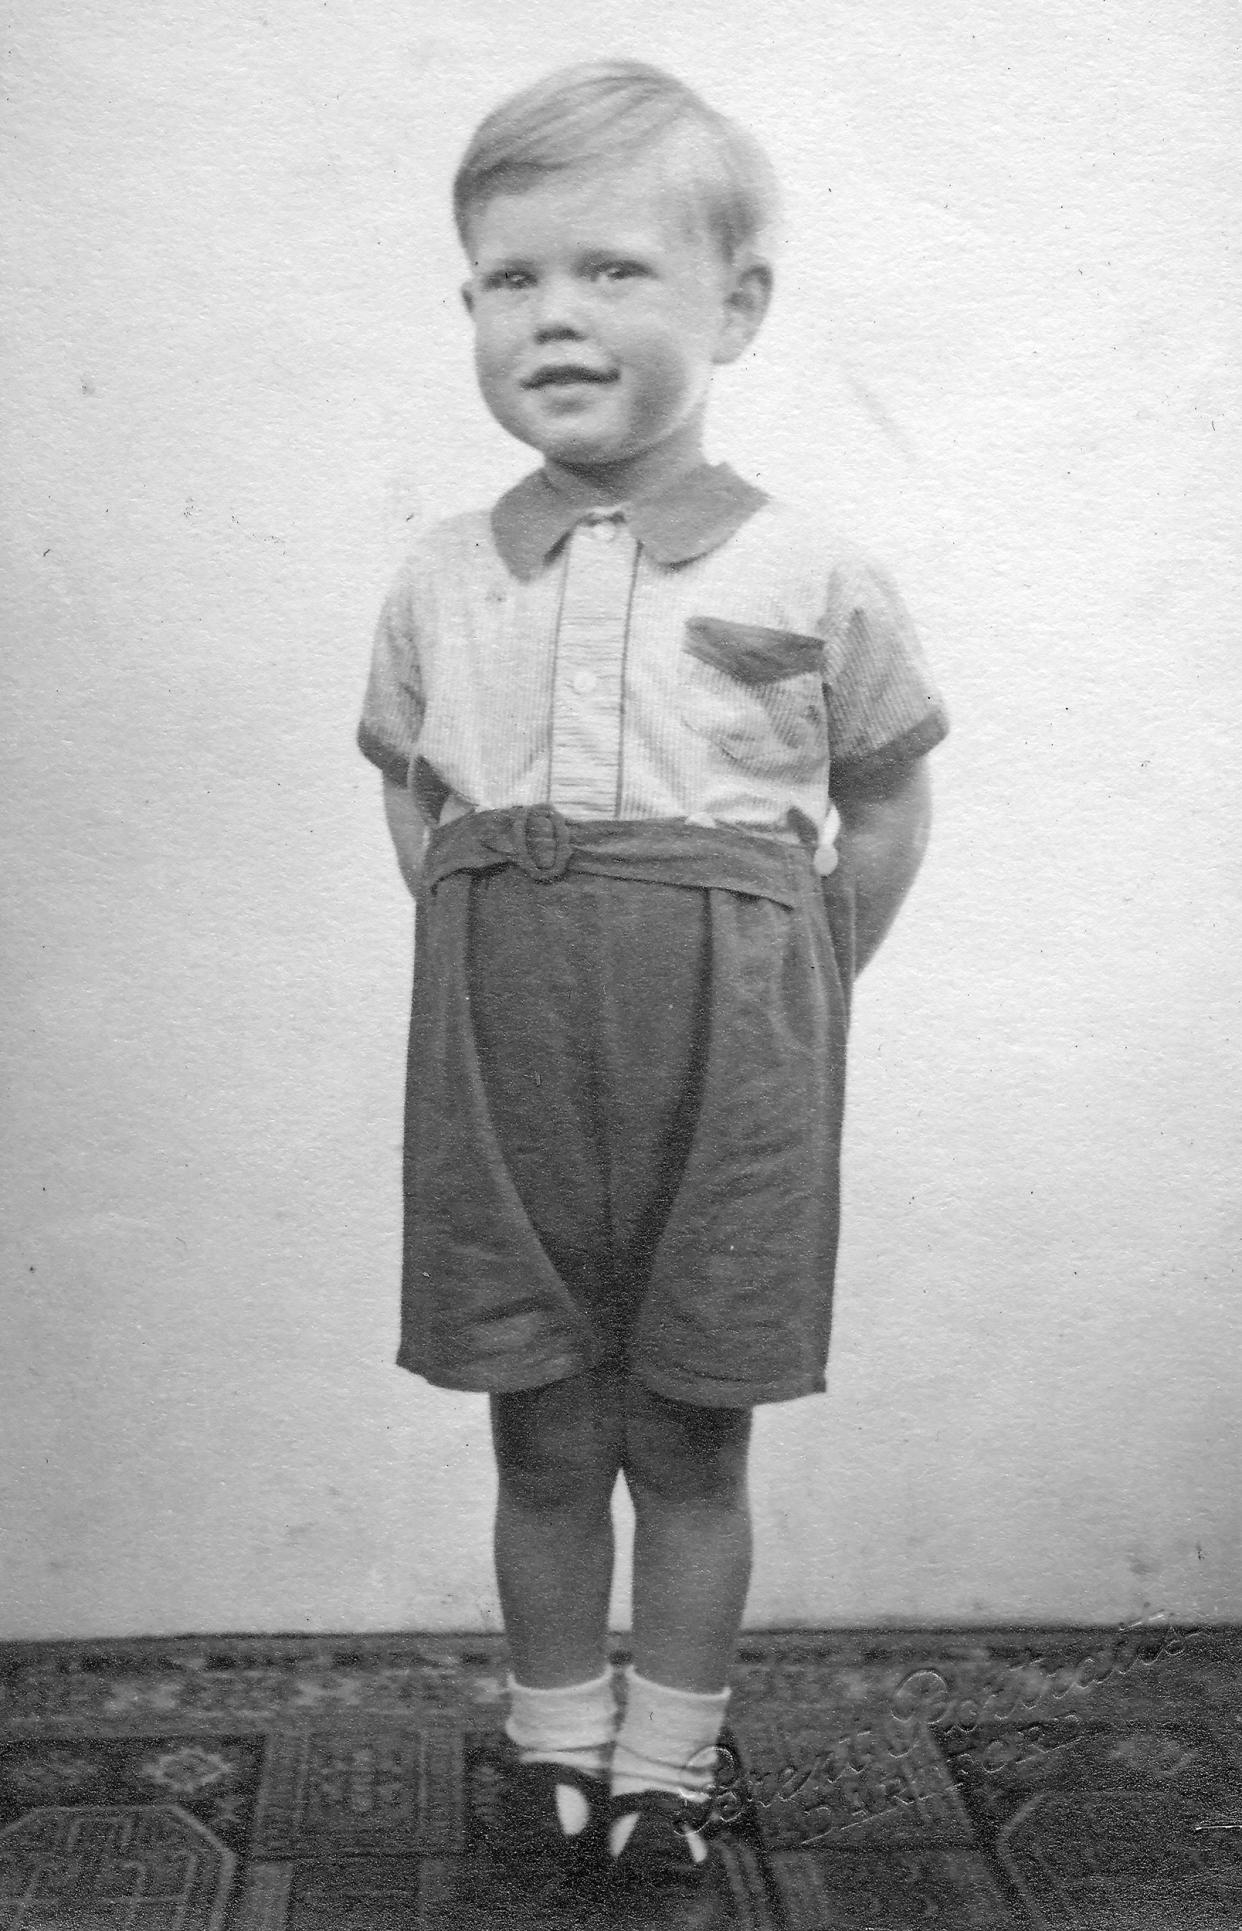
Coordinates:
<point>619,721</point>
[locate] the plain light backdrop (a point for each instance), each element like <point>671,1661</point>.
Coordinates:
<point>1004,354</point>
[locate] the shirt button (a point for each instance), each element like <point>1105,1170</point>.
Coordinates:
<point>584,682</point>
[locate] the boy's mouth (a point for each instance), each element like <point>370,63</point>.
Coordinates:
<point>564,374</point>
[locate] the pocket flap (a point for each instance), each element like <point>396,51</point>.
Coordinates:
<point>751,652</point>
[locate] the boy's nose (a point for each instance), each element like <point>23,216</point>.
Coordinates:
<point>558,310</point>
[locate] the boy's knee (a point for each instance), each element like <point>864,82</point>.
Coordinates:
<point>558,1447</point>
<point>678,1451</point>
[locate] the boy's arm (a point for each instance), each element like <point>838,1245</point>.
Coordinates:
<point>409,831</point>
<point>883,836</point>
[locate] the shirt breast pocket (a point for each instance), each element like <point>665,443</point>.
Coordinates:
<point>757,696</point>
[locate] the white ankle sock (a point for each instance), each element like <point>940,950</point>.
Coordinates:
<point>665,1743</point>
<point>574,1725</point>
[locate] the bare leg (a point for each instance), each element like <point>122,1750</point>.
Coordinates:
<point>686,1471</point>
<point>558,1452</point>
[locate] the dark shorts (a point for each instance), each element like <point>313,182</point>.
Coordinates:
<point>624,1099</point>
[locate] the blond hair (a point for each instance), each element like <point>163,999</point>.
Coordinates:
<point>606,112</point>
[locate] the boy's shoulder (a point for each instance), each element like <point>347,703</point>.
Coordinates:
<point>802,530</point>
<point>798,544</point>
<point>457,539</point>
<point>448,555</point>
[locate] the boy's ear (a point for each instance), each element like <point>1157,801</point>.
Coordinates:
<point>746,304</point>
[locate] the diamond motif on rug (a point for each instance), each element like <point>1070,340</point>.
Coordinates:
<point>187,1771</point>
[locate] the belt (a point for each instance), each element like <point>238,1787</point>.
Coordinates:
<point>546,846</point>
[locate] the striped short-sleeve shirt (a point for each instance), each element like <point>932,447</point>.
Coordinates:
<point>704,653</point>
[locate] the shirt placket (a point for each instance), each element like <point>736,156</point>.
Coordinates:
<point>589,681</point>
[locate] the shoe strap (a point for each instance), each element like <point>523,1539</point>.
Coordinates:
<point>694,1814</point>
<point>549,1775</point>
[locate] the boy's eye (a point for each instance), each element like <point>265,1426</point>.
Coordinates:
<point>507,278</point>
<point>619,271</point>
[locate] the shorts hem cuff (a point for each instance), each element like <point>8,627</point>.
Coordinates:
<point>708,1391</point>
<point>511,1380</point>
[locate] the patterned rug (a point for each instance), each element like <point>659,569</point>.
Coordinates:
<point>1063,1779</point>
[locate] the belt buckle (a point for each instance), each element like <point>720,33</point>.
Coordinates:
<point>542,846</point>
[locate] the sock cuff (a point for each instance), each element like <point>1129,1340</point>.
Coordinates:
<point>567,1692</point>
<point>642,1693</point>
<point>572,1716</point>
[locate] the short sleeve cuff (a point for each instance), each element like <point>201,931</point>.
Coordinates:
<point>873,772</point>
<point>394,764</point>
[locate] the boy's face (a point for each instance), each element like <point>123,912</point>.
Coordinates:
<point>599,317</point>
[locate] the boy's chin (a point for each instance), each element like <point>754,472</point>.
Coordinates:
<point>586,453</point>
<point>579,452</point>
<point>576,449</point>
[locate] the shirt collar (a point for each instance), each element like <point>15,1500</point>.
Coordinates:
<point>685,519</point>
